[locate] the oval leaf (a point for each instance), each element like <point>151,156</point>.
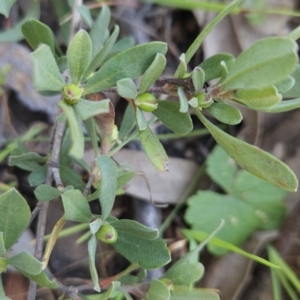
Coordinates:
<point>108,184</point>
<point>130,63</point>
<point>87,109</point>
<point>77,148</point>
<point>253,159</point>
<point>267,62</point>
<point>168,113</point>
<point>294,92</point>
<point>158,291</point>
<point>225,113</point>
<point>36,33</point>
<point>154,149</point>
<point>153,72</point>
<point>257,99</point>
<point>285,85</point>
<point>283,106</point>
<point>185,293</point>
<point>14,216</point>
<point>46,192</point>
<point>79,55</point>
<point>46,75</point>
<point>126,88</point>
<point>140,119</point>
<point>184,106</point>
<point>212,66</point>
<point>198,77</point>
<point>76,207</point>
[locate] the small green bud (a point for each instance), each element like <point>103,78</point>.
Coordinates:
<point>72,93</point>
<point>146,102</point>
<point>204,100</point>
<point>3,265</point>
<point>107,234</point>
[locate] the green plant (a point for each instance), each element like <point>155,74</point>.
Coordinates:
<point>96,63</point>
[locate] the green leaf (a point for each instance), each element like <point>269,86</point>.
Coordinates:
<point>95,226</point>
<point>90,126</point>
<point>168,113</point>
<point>69,177</point>
<point>28,161</point>
<point>5,7</point>
<point>79,55</point>
<point>76,207</point>
<point>253,159</point>
<point>14,216</point>
<point>85,14</point>
<point>257,99</point>
<point>42,280</point>
<point>153,72</point>
<point>149,254</point>
<point>124,176</point>
<point>25,262</point>
<point>92,247</point>
<point>240,218</point>
<point>87,109</point>
<point>99,30</point>
<point>212,65</point>
<point>128,122</point>
<point>184,106</point>
<point>126,88</point>
<point>130,63</point>
<point>2,245</point>
<point>225,113</point>
<point>77,148</point>
<point>267,62</point>
<point>158,291</point>
<point>135,228</point>
<point>285,85</point>
<point>182,67</point>
<point>154,149</point>
<point>46,75</point>
<point>140,119</point>
<point>108,184</point>
<point>46,192</point>
<point>64,158</point>
<point>62,64</point>
<point>294,92</point>
<point>37,33</point>
<point>184,293</point>
<point>221,168</point>
<point>198,77</point>
<point>185,274</point>
<point>283,106</point>
<point>38,176</point>
<point>100,57</point>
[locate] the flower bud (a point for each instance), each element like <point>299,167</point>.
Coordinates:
<point>146,102</point>
<point>3,265</point>
<point>204,100</point>
<point>107,234</point>
<point>72,93</point>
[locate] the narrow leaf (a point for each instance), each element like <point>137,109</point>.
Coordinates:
<point>225,113</point>
<point>198,77</point>
<point>36,33</point>
<point>92,247</point>
<point>25,262</point>
<point>126,88</point>
<point>108,184</point>
<point>153,72</point>
<point>184,106</point>
<point>267,62</point>
<point>77,148</point>
<point>99,30</point>
<point>154,149</point>
<point>46,75</point>
<point>85,14</point>
<point>168,113</point>
<point>253,159</point>
<point>257,98</point>
<point>41,279</point>
<point>87,109</point>
<point>28,161</point>
<point>76,207</point>
<point>90,126</point>
<point>140,119</point>
<point>13,210</point>
<point>130,63</point>
<point>2,245</point>
<point>79,55</point>
<point>212,65</point>
<point>283,106</point>
<point>46,192</point>
<point>128,122</point>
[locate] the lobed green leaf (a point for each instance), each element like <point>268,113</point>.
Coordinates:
<point>108,184</point>
<point>79,55</point>
<point>76,207</point>
<point>168,112</point>
<point>46,75</point>
<point>253,159</point>
<point>266,62</point>
<point>154,149</point>
<point>14,216</point>
<point>130,63</point>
